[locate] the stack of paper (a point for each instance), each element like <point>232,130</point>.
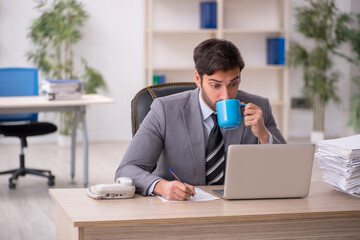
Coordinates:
<point>340,161</point>
<point>62,89</point>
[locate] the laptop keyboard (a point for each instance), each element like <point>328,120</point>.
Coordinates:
<point>219,192</point>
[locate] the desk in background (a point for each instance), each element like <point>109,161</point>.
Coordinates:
<point>41,104</point>
<point>324,214</point>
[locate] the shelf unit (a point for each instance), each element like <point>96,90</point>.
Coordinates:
<point>172,30</point>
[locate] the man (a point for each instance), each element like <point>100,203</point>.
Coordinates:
<point>176,132</point>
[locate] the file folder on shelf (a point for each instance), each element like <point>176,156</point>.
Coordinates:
<point>276,51</point>
<point>208,15</point>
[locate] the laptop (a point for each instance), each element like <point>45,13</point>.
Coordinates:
<point>268,171</point>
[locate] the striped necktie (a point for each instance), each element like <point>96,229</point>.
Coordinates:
<point>215,156</point>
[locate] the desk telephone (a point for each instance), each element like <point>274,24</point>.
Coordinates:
<point>123,188</point>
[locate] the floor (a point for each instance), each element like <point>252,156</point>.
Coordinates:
<point>28,212</point>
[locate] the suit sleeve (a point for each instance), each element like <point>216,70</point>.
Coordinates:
<point>270,124</point>
<point>144,150</point>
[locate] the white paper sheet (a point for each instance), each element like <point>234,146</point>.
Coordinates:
<point>201,195</point>
<point>349,143</point>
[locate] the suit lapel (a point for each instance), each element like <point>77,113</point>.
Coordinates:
<point>191,115</point>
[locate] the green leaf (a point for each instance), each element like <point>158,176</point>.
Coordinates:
<point>354,113</point>
<point>92,79</point>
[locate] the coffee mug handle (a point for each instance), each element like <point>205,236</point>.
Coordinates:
<point>242,114</point>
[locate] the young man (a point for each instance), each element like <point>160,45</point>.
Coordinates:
<point>176,132</point>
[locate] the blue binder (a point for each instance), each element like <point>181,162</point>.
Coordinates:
<point>276,51</point>
<point>208,15</point>
<point>161,79</point>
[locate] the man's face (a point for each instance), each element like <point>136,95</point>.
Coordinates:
<point>218,86</point>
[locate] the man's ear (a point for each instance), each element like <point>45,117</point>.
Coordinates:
<point>197,79</point>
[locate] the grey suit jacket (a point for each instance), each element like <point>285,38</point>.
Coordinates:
<point>171,136</point>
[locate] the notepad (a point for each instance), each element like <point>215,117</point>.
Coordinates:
<point>201,195</point>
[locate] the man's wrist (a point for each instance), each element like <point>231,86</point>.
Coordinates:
<point>265,138</point>
<point>151,188</point>
<point>158,187</point>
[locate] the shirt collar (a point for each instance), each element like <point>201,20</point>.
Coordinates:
<point>205,110</point>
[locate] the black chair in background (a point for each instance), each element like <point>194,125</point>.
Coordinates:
<point>22,82</point>
<point>140,104</point>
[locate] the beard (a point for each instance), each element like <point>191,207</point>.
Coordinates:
<point>207,100</point>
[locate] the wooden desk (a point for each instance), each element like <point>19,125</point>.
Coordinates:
<point>41,104</point>
<point>324,214</point>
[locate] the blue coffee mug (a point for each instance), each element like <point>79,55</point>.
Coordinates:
<point>229,113</point>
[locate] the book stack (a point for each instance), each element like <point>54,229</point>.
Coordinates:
<point>208,15</point>
<point>62,89</point>
<point>340,161</point>
<point>276,51</point>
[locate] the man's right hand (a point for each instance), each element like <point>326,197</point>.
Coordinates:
<point>174,190</point>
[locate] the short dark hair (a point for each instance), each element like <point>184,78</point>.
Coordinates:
<point>215,54</point>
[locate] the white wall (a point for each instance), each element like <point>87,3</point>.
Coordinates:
<point>112,43</point>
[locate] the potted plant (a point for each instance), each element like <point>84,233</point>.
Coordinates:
<point>53,35</point>
<point>354,113</point>
<point>322,23</point>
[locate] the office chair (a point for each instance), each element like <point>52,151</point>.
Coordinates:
<point>140,104</point>
<point>22,82</point>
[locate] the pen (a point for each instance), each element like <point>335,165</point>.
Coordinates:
<point>177,178</point>
<point>175,175</point>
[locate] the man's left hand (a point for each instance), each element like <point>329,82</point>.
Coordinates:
<point>255,121</point>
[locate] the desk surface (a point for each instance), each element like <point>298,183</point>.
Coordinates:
<point>42,101</point>
<point>83,211</point>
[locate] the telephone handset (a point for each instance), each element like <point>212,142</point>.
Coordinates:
<point>123,188</point>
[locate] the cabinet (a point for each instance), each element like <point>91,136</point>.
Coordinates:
<point>173,30</point>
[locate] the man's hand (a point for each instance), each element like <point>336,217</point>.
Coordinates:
<point>254,119</point>
<point>174,190</point>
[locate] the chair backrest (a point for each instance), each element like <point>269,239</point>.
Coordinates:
<point>18,82</point>
<point>140,104</point>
